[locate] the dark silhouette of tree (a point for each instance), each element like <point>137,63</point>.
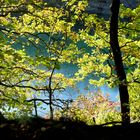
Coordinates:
<point>124,96</point>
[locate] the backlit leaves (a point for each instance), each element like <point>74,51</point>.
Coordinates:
<point>45,37</point>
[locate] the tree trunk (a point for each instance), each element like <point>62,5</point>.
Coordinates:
<point>50,104</point>
<point>51,94</point>
<point>35,107</point>
<point>124,96</point>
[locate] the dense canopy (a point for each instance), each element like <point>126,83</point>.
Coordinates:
<point>37,38</point>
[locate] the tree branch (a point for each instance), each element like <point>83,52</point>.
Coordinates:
<point>22,86</point>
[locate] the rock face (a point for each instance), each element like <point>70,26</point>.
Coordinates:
<point>100,7</point>
<point>103,6</point>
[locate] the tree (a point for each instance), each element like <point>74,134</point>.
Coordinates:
<point>14,72</point>
<point>92,108</point>
<point>114,44</point>
<point>26,28</point>
<point>56,40</point>
<point>111,66</point>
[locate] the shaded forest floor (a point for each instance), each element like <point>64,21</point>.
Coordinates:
<point>41,129</point>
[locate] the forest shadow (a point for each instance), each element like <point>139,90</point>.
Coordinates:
<point>45,129</point>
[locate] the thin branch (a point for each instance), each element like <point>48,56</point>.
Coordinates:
<point>127,43</point>
<point>23,86</point>
<point>36,99</point>
<point>44,101</point>
<point>111,67</point>
<point>9,97</point>
<point>136,81</point>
